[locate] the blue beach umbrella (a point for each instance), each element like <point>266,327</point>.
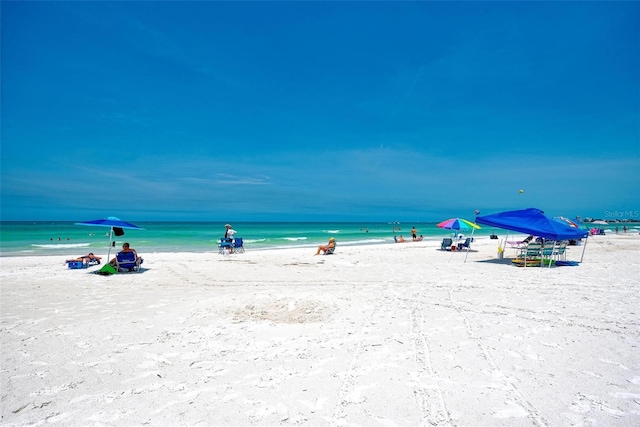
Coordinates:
<point>116,225</point>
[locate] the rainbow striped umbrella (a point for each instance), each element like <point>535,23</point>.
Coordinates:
<point>458,224</point>
<point>567,221</point>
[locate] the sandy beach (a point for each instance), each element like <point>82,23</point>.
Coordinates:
<point>380,335</point>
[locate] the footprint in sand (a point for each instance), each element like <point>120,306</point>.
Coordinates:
<point>612,362</point>
<point>513,410</point>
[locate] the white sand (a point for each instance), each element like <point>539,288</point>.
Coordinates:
<point>385,335</point>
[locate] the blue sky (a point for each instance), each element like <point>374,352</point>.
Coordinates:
<point>303,111</point>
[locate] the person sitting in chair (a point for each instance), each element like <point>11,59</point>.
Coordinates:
<point>125,248</point>
<point>325,248</point>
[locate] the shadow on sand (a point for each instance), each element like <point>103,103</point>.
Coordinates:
<point>464,251</point>
<point>503,261</point>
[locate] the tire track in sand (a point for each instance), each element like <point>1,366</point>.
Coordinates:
<point>427,391</point>
<point>516,394</point>
<point>347,385</point>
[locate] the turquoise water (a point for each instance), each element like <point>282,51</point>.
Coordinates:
<point>67,238</point>
<point>41,238</point>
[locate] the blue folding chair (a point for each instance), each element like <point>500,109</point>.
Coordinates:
<point>446,244</point>
<point>238,245</point>
<point>128,261</point>
<point>465,244</point>
<point>225,244</point>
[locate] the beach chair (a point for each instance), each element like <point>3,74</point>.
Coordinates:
<point>530,255</point>
<point>532,250</point>
<point>517,244</point>
<point>446,244</point>
<point>225,244</point>
<point>561,251</point>
<point>91,261</point>
<point>128,261</point>
<point>238,245</point>
<point>465,244</point>
<point>330,251</point>
<point>547,252</point>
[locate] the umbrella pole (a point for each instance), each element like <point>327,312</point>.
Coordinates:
<point>110,244</point>
<point>473,230</point>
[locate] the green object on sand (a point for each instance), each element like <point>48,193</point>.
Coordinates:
<point>106,270</point>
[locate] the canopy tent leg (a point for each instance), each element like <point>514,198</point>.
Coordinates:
<point>504,248</point>
<point>583,248</point>
<point>552,251</point>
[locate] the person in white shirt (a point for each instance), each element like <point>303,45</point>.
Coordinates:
<point>227,240</point>
<point>229,232</point>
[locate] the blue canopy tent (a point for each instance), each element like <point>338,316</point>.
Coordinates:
<point>533,221</point>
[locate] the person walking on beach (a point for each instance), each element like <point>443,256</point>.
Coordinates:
<point>414,233</point>
<point>325,248</point>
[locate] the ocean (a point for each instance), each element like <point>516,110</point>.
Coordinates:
<point>35,238</point>
<point>61,238</point>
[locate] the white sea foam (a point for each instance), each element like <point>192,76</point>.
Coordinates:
<point>365,242</point>
<point>294,239</point>
<point>62,245</point>
<point>254,240</point>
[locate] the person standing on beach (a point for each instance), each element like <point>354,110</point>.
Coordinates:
<point>414,233</point>
<point>227,240</point>
<point>229,232</point>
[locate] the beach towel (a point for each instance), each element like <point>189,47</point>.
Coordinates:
<point>106,270</point>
